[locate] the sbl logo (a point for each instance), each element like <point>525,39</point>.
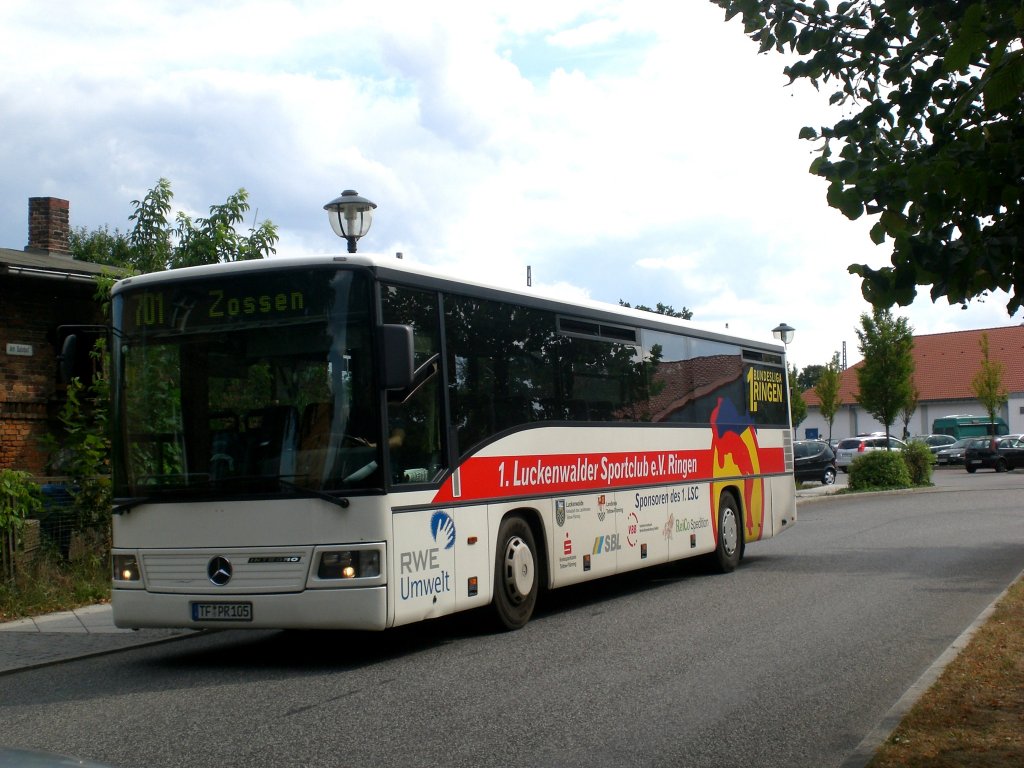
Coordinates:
<point>609,543</point>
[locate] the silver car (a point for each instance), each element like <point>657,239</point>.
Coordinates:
<point>852,447</point>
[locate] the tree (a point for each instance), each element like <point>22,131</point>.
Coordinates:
<point>930,140</point>
<point>988,384</point>
<point>215,239</point>
<point>797,404</point>
<point>907,411</point>
<point>809,377</point>
<point>100,246</point>
<point>827,390</point>
<point>153,244</point>
<point>885,380</point>
<point>661,309</point>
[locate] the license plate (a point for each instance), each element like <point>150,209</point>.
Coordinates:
<point>221,611</point>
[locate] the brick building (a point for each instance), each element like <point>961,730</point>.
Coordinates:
<point>41,289</point>
<point>944,366</point>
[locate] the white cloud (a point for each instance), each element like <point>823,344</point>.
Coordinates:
<point>638,151</point>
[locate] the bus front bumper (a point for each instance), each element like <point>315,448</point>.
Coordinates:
<point>362,608</point>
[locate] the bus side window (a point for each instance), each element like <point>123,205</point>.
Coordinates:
<point>415,432</point>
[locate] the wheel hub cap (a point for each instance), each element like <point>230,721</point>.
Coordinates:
<point>519,569</point>
<point>730,533</point>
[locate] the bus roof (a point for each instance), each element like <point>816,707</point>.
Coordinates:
<point>399,270</point>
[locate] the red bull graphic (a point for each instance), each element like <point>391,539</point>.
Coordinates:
<point>735,452</point>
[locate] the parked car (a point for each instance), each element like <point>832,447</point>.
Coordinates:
<point>852,447</point>
<point>999,454</point>
<point>813,460</point>
<point>935,443</point>
<point>954,454</point>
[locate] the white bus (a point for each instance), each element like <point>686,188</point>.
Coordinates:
<point>349,442</point>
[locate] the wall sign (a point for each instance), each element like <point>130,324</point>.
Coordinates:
<point>21,350</point>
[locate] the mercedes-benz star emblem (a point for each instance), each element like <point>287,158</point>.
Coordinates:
<point>219,570</point>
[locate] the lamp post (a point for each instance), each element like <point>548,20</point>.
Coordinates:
<point>784,333</point>
<point>350,216</point>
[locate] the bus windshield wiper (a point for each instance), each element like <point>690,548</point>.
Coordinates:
<point>123,506</point>
<point>312,493</point>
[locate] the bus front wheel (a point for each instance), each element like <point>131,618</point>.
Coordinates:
<point>516,580</point>
<point>730,529</point>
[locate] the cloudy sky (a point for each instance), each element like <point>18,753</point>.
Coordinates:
<point>636,150</point>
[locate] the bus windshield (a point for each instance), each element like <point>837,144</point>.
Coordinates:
<point>256,383</point>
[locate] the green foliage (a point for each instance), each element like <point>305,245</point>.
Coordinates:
<point>931,137</point>
<point>83,453</point>
<point>885,380</point>
<point>153,244</point>
<point>100,246</point>
<point>49,583</point>
<point>809,377</point>
<point>877,470</point>
<point>988,383</point>
<point>150,238</point>
<point>214,239</point>
<point>20,498</point>
<point>920,461</point>
<point>827,390</point>
<point>907,411</point>
<point>797,404</point>
<point>661,309</point>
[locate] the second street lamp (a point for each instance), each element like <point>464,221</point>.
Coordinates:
<point>784,333</point>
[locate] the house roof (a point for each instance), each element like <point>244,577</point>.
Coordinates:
<point>51,264</point>
<point>945,363</point>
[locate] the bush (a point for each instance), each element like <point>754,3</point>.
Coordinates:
<point>879,469</point>
<point>19,498</point>
<point>919,460</point>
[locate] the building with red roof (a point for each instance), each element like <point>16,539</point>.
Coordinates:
<point>944,365</point>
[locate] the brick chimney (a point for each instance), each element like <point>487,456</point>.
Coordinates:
<point>49,227</point>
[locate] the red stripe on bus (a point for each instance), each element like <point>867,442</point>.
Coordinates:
<point>487,477</point>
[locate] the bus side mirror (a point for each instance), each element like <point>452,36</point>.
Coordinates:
<point>68,364</point>
<point>397,355</point>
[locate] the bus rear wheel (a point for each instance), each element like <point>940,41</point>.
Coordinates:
<point>516,581</point>
<point>730,531</point>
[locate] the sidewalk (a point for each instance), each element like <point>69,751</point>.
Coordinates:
<point>57,637</point>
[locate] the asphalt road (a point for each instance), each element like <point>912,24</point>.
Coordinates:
<point>789,661</point>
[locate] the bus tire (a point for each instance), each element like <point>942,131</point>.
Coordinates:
<point>729,547</point>
<point>516,574</point>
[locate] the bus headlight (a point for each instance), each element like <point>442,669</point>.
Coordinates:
<point>349,564</point>
<point>125,568</point>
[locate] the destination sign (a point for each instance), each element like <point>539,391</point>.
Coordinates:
<point>272,298</point>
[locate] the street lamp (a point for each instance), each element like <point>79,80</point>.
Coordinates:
<point>350,216</point>
<point>784,333</point>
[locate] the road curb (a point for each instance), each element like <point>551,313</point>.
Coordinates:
<point>61,658</point>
